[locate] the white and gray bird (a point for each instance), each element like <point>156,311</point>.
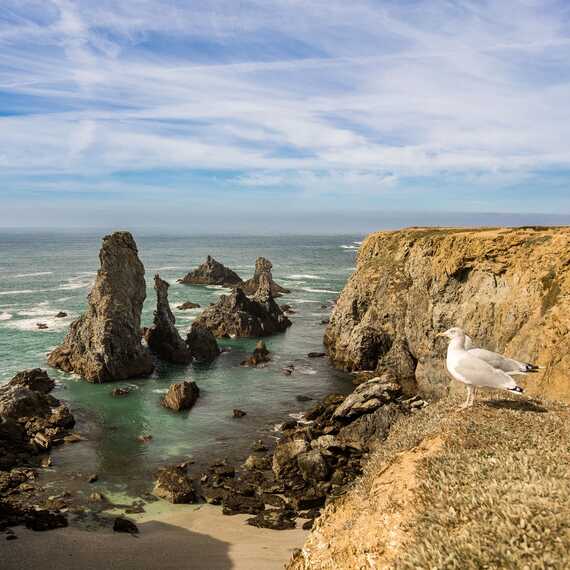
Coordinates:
<point>496,360</point>
<point>473,371</point>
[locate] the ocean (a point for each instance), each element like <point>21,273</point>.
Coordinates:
<point>44,273</point>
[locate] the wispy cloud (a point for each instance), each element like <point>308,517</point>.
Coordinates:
<point>313,95</point>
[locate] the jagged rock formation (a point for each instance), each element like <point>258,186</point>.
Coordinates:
<point>104,344</point>
<point>508,288</point>
<point>263,267</point>
<point>163,338</point>
<point>212,272</point>
<point>181,396</point>
<point>202,343</point>
<point>236,315</point>
<point>260,355</point>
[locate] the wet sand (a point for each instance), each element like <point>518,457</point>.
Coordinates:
<point>182,536</point>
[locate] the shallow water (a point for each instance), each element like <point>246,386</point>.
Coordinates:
<point>41,274</point>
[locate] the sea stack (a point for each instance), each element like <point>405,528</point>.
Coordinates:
<point>263,267</point>
<point>163,338</point>
<point>212,272</point>
<point>104,344</point>
<point>202,343</point>
<point>237,315</point>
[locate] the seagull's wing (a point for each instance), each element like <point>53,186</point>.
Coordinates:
<point>498,360</point>
<point>480,373</point>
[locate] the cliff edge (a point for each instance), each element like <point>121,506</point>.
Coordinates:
<point>508,288</point>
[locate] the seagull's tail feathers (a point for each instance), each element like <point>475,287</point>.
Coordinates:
<point>528,367</point>
<point>516,390</point>
<point>516,372</point>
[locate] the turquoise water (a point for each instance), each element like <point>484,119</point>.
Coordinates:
<point>41,274</point>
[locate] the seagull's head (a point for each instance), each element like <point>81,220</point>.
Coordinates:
<point>453,332</point>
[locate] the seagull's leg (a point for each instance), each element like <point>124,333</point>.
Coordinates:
<point>467,402</point>
<point>473,394</point>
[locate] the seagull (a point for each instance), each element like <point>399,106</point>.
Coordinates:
<point>504,363</point>
<point>473,371</point>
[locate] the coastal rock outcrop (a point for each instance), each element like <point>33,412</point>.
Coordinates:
<point>263,267</point>
<point>104,344</point>
<point>181,396</point>
<point>163,337</point>
<point>212,272</point>
<point>202,343</point>
<point>31,422</point>
<point>236,315</point>
<point>508,288</point>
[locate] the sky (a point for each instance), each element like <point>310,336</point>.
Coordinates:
<point>260,115</point>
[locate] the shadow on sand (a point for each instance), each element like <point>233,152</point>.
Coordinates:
<point>158,545</point>
<point>519,405</point>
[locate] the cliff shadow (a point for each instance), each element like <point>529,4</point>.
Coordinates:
<point>158,545</point>
<point>518,405</point>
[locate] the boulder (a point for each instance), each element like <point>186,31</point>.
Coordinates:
<point>260,355</point>
<point>104,344</point>
<point>181,396</point>
<point>174,485</point>
<point>239,413</point>
<point>367,397</point>
<point>263,268</point>
<point>274,519</point>
<point>163,338</point>
<point>123,524</point>
<point>312,465</point>
<point>286,452</point>
<point>61,315</point>
<point>234,504</point>
<point>236,315</point>
<point>202,343</point>
<point>212,272</point>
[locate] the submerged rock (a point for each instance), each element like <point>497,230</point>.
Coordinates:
<point>181,396</point>
<point>202,343</point>
<point>163,338</point>
<point>236,315</point>
<point>188,305</point>
<point>104,344</point>
<point>263,267</point>
<point>61,315</point>
<point>212,272</point>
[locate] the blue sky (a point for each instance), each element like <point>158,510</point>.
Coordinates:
<point>200,113</point>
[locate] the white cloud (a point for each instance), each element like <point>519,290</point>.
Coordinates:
<point>295,93</point>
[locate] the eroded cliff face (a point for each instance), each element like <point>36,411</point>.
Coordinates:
<point>508,288</point>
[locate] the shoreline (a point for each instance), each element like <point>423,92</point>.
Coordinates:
<point>180,536</point>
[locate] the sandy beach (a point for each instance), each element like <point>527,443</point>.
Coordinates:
<point>184,536</point>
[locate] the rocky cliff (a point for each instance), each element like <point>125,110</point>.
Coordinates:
<point>104,343</point>
<point>508,288</point>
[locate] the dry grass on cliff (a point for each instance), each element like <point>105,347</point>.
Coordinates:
<point>498,494</point>
<point>485,488</point>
